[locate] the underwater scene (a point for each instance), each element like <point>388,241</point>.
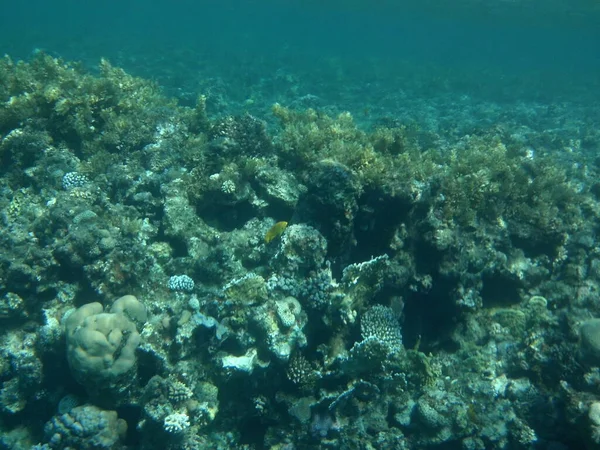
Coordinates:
<point>288,225</point>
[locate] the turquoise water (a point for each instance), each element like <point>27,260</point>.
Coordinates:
<point>299,224</point>
<point>551,47</point>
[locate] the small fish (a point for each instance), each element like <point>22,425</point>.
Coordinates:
<point>275,231</point>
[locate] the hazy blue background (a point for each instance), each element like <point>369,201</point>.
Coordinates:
<point>554,46</point>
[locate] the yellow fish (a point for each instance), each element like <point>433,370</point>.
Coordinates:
<point>275,231</point>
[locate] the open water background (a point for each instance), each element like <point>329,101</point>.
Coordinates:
<point>272,50</point>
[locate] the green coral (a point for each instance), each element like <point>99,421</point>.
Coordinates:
<point>110,112</point>
<point>482,178</point>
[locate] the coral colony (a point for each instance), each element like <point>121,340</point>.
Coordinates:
<point>172,280</point>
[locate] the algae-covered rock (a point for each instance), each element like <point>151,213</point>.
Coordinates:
<point>589,344</point>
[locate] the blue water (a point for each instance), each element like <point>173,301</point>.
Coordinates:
<point>552,46</point>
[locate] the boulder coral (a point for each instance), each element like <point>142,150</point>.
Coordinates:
<point>101,345</point>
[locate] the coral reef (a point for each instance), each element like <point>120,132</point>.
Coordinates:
<point>86,427</point>
<point>425,293</point>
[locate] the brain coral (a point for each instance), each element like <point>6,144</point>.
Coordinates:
<point>101,345</point>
